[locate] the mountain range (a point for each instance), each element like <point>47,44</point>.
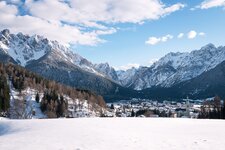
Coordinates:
<point>175,75</point>
<point>57,62</point>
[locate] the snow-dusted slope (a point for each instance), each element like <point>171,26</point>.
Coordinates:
<point>177,67</point>
<point>107,70</point>
<point>31,105</point>
<point>112,134</point>
<point>126,75</point>
<point>76,107</point>
<point>24,49</point>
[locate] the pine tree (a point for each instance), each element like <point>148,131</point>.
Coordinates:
<point>37,98</point>
<point>132,113</point>
<point>4,95</point>
<point>112,106</point>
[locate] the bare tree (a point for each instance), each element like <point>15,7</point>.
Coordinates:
<point>21,109</point>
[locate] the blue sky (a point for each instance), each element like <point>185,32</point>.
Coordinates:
<point>128,46</point>
<point>123,33</point>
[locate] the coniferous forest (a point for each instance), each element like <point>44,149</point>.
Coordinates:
<point>53,103</point>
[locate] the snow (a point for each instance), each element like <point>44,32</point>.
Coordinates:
<point>30,98</point>
<point>3,46</point>
<point>3,118</point>
<point>112,134</point>
<point>125,76</point>
<point>24,48</point>
<point>178,67</point>
<point>31,105</point>
<point>80,108</point>
<point>77,108</point>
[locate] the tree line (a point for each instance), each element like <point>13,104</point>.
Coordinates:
<point>4,95</point>
<point>213,109</point>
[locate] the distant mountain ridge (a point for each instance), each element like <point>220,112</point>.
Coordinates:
<point>174,68</point>
<point>58,62</point>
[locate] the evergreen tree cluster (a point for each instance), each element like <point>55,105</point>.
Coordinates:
<point>213,109</point>
<point>53,104</point>
<point>4,94</point>
<point>53,101</point>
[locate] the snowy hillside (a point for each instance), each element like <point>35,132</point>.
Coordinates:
<point>112,134</point>
<point>19,110</point>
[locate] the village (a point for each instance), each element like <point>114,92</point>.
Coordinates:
<point>185,108</point>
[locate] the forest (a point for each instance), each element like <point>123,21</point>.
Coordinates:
<point>53,103</point>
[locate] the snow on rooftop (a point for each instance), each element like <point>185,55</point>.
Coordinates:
<point>112,134</point>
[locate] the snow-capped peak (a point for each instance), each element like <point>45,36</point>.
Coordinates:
<point>209,46</point>
<point>23,48</point>
<point>174,68</point>
<point>107,70</point>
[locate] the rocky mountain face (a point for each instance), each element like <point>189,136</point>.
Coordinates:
<point>177,67</point>
<point>107,70</point>
<point>57,62</point>
<point>24,49</point>
<point>125,76</point>
<point>209,84</point>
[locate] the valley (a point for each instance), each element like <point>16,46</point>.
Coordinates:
<point>171,77</point>
<point>112,75</point>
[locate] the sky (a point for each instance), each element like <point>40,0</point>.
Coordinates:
<point>124,33</point>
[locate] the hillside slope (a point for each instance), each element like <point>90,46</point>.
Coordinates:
<point>18,86</point>
<point>209,84</point>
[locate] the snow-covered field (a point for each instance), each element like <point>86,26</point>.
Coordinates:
<point>112,134</point>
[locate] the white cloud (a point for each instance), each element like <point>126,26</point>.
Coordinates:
<point>156,40</point>
<point>128,66</point>
<point>166,38</point>
<point>201,33</point>
<point>53,30</point>
<point>79,21</point>
<point>136,65</point>
<point>211,3</point>
<point>108,11</point>
<point>153,40</point>
<point>123,11</point>
<point>180,35</point>
<point>192,34</point>
<point>7,9</point>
